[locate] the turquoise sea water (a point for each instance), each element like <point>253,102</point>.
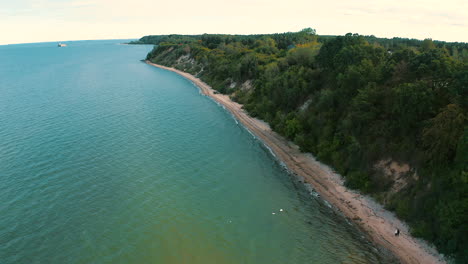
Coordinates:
<point>104,159</point>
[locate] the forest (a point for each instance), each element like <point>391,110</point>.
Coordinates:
<point>389,115</point>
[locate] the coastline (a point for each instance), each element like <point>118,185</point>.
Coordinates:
<point>369,216</point>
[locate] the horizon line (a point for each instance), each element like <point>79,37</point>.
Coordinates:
<point>199,34</point>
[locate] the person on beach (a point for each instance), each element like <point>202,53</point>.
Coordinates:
<point>397,232</point>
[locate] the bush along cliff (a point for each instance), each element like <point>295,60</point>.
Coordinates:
<point>390,115</point>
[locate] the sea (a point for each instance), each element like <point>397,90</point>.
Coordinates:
<point>105,159</point>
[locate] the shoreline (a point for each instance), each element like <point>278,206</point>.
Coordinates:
<point>377,223</point>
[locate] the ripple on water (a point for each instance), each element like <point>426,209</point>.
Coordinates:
<point>110,160</point>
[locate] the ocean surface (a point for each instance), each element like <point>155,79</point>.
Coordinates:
<point>104,159</point>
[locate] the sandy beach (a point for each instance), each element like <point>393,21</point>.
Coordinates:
<point>377,223</point>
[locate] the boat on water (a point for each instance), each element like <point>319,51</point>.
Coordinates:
<point>62,45</point>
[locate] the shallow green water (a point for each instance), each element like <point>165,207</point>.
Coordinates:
<point>104,159</point>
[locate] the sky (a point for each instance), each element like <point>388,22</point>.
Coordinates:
<point>25,21</point>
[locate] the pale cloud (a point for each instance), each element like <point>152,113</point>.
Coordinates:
<point>83,3</point>
<point>58,20</point>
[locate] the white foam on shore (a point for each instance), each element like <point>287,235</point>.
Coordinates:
<point>269,149</point>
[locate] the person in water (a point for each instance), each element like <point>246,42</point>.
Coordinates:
<point>397,232</point>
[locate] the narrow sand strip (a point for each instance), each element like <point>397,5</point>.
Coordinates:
<point>369,216</point>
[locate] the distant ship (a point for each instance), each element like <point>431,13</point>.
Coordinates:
<point>62,45</point>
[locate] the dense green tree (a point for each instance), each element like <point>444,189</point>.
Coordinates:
<point>442,134</point>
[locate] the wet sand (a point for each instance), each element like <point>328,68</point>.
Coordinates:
<point>377,223</point>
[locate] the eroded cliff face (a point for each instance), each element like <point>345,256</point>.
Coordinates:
<point>395,176</point>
